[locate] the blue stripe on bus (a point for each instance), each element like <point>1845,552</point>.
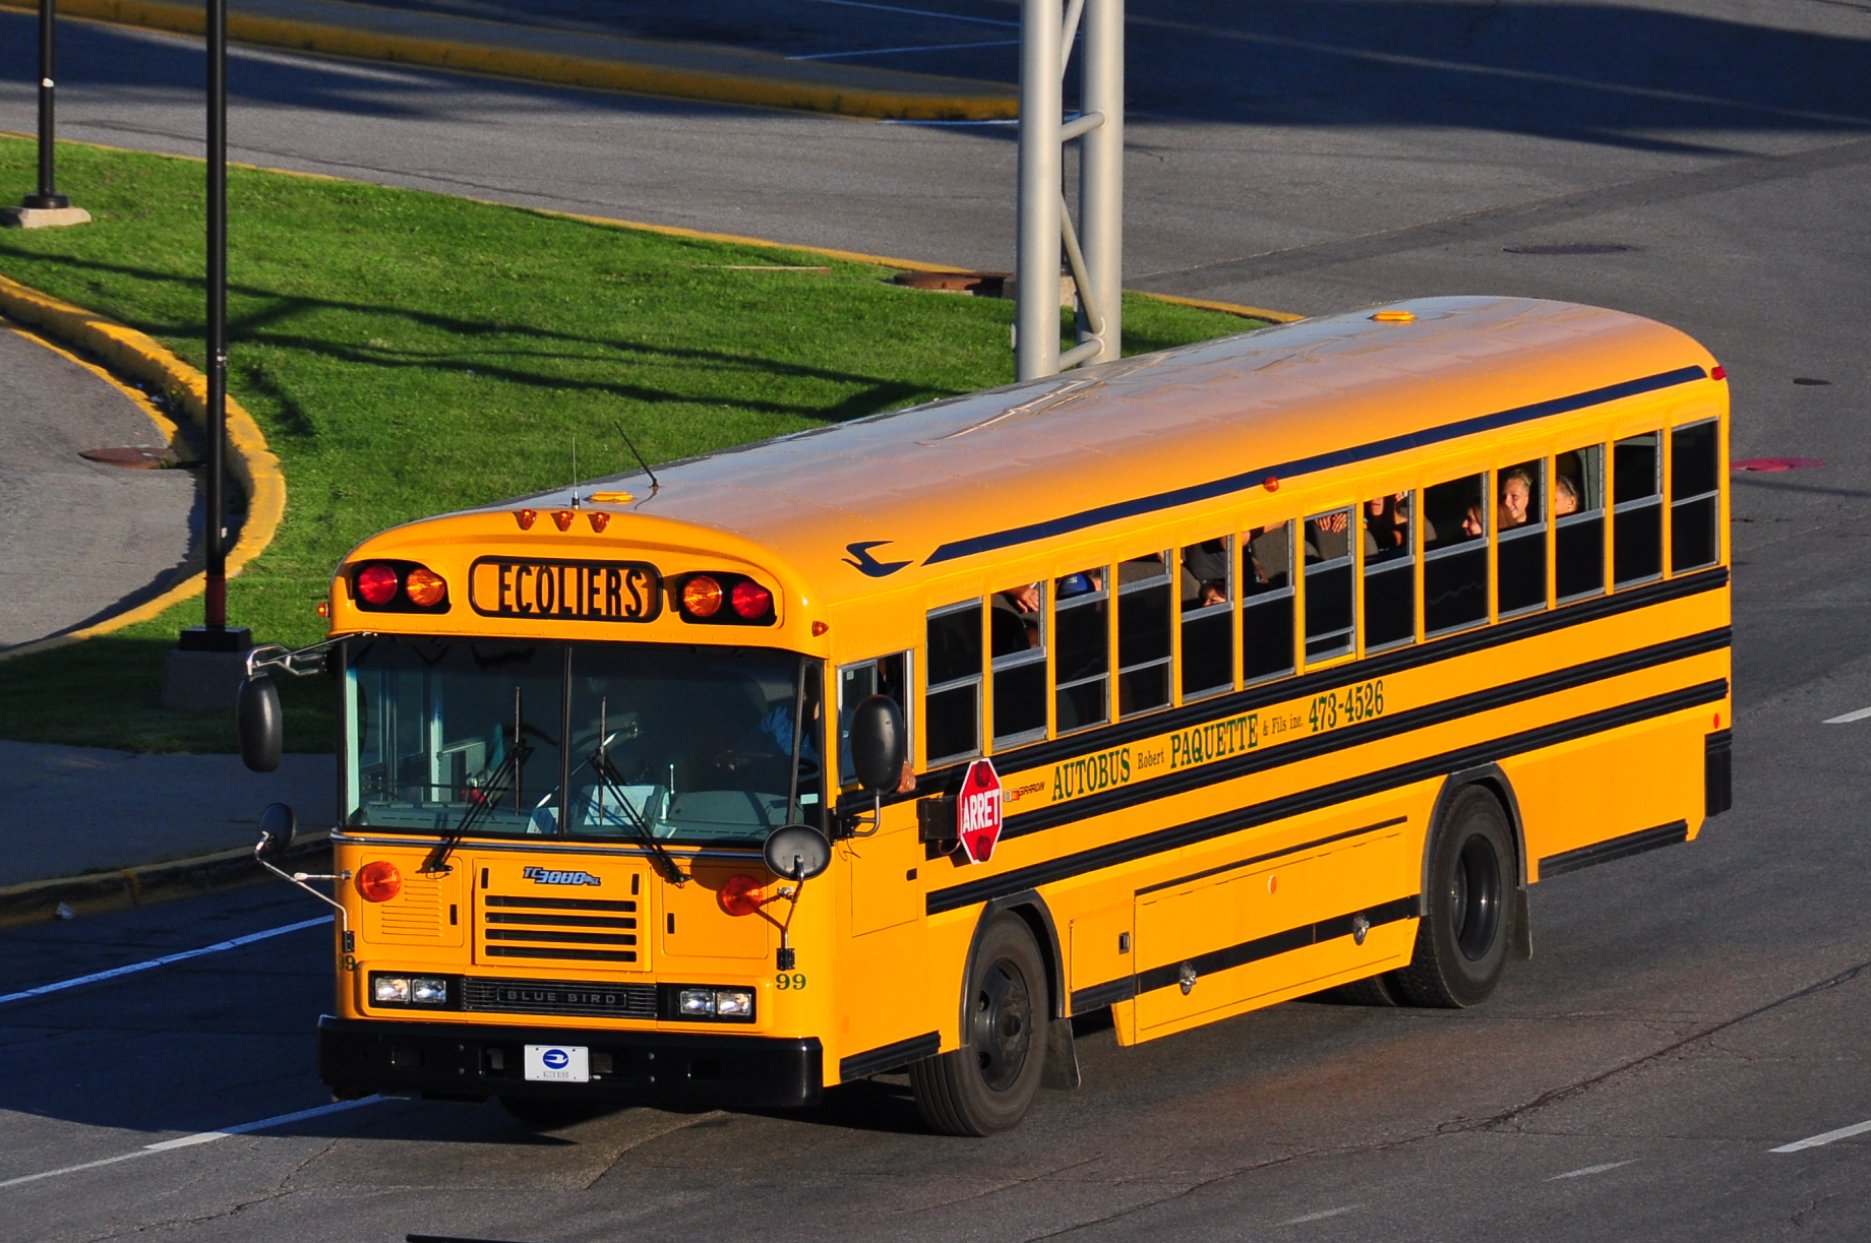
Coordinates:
<point>1244,480</point>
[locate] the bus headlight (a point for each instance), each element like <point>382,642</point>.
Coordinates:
<point>408,990</point>
<point>736,1005</point>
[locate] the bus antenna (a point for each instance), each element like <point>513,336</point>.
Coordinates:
<point>625,437</point>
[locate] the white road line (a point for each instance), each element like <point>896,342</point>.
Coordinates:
<point>189,1141</point>
<point>164,961</point>
<point>1849,717</point>
<point>1319,1216</point>
<point>893,8</point>
<point>1589,1170</point>
<point>895,51</point>
<point>1819,1141</point>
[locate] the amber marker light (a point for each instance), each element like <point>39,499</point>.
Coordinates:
<point>1272,484</point>
<point>526,518</point>
<point>599,520</point>
<point>562,518</point>
<point>1395,317</point>
<point>425,588</point>
<point>742,895</point>
<point>701,596</point>
<point>379,881</point>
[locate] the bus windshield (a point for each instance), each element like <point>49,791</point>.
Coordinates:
<point>702,745</point>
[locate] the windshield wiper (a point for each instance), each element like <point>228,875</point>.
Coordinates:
<point>613,783</point>
<point>481,800</point>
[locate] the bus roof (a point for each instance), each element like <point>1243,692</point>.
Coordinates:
<point>933,485</point>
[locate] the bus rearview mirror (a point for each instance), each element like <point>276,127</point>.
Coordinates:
<point>259,724</point>
<point>878,743</point>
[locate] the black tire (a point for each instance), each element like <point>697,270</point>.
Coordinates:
<point>988,1084</point>
<point>1462,943</point>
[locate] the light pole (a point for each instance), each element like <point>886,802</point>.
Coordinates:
<point>47,206</point>
<point>214,635</point>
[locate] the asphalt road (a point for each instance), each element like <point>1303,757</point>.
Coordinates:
<point>1690,1018</point>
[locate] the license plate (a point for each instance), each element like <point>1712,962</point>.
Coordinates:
<point>558,1063</point>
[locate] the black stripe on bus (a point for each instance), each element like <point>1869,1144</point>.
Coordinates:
<point>889,1057</point>
<point>1255,478</point>
<point>1261,694</point>
<point>1259,949</point>
<point>1408,721</point>
<point>1624,847</point>
<point>1319,797</point>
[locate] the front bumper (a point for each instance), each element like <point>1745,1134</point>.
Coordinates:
<point>467,1062</point>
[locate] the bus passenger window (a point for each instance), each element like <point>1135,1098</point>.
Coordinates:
<point>1389,578</point>
<point>886,675</point>
<point>1208,618</point>
<point>1455,554</point>
<point>1017,634</point>
<point>1267,604</point>
<point>1328,584</point>
<point>1695,501</point>
<point>1143,649</point>
<point>1579,523</point>
<point>1636,509</point>
<point>1520,514</point>
<point>952,700</point>
<point>1083,666</point>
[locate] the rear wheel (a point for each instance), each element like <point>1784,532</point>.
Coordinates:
<point>1461,944</point>
<point>988,1084</point>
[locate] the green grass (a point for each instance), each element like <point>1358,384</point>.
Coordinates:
<point>407,353</point>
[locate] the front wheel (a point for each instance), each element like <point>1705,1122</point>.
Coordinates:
<point>988,1084</point>
<point>1461,943</point>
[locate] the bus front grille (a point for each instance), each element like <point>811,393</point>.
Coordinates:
<point>583,930</point>
<point>560,997</point>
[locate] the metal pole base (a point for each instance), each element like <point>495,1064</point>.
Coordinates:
<point>52,201</point>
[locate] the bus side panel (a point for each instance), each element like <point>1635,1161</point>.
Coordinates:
<point>1584,794</point>
<point>1229,942</point>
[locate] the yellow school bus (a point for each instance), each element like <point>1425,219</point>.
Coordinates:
<point>1173,687</point>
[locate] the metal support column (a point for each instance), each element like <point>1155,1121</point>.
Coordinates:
<point>1045,225</point>
<point>48,198</point>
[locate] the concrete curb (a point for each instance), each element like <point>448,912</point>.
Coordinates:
<point>678,70</point>
<point>129,352</point>
<point>95,893</point>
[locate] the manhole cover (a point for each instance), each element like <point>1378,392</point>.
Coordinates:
<point>133,457</point>
<point>1768,465</point>
<point>981,284</point>
<point>1569,248</point>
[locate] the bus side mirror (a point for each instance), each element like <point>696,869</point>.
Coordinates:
<point>879,746</point>
<point>797,852</point>
<point>277,826</point>
<point>258,721</point>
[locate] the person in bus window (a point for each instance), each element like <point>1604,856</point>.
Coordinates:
<point>1205,573</point>
<point>1565,496</point>
<point>1516,497</point>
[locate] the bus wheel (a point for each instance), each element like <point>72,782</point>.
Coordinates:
<point>987,1085</point>
<point>1462,943</point>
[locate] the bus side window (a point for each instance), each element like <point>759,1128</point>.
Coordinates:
<point>1143,649</point>
<point>1637,509</point>
<point>1521,544</point>
<point>1579,522</point>
<point>952,699</point>
<point>1695,500</point>
<point>1267,603</point>
<point>1083,670</point>
<point>1389,578</point>
<point>1017,634</point>
<point>1328,584</point>
<point>1455,554</point>
<point>1208,617</point>
<point>886,675</point>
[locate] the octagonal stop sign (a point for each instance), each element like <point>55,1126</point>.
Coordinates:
<point>977,811</point>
